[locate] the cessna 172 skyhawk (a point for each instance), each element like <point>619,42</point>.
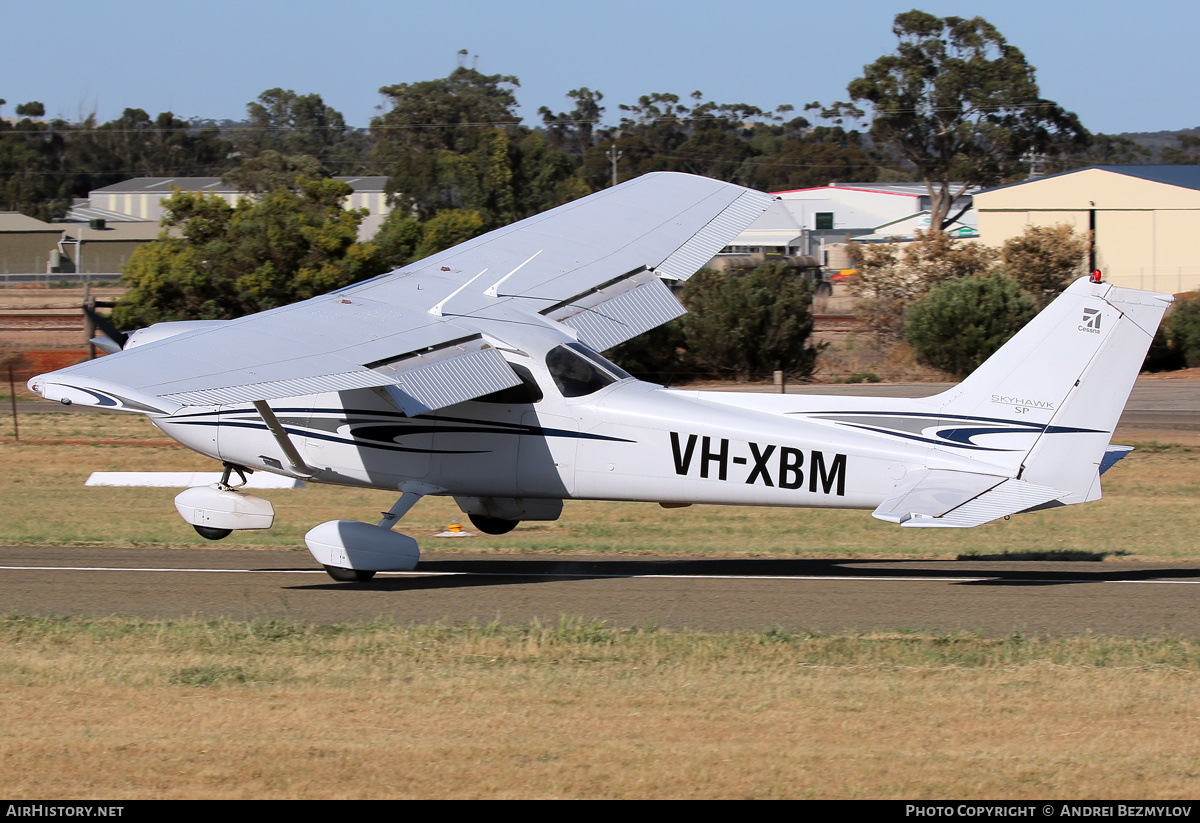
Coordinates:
<point>475,373</point>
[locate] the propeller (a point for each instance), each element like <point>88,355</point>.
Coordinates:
<point>113,340</point>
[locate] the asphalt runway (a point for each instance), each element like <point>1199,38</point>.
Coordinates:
<point>991,598</point>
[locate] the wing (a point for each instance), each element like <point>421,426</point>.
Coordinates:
<point>590,270</point>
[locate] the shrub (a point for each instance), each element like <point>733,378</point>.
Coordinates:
<point>1044,260</point>
<point>1182,330</point>
<point>960,323</point>
<point>891,276</point>
<point>747,322</point>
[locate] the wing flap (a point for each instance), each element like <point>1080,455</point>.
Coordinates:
<point>617,311</point>
<point>953,499</point>
<point>453,374</point>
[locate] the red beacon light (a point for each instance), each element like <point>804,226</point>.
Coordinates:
<point>1097,277</point>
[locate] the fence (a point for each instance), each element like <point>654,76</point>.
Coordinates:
<point>58,277</point>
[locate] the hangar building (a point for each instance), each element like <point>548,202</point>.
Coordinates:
<point>1145,219</point>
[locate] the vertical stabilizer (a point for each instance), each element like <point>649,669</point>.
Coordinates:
<point>1055,391</point>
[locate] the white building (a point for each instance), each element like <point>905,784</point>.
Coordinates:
<point>818,222</point>
<point>141,199</point>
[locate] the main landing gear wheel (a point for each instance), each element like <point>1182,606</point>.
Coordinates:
<point>349,575</point>
<point>209,533</point>
<point>492,525</point>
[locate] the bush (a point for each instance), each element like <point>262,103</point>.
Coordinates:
<point>960,323</point>
<point>891,276</point>
<point>1182,330</point>
<point>747,322</point>
<point>1044,260</point>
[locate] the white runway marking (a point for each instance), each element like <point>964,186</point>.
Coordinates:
<point>587,576</point>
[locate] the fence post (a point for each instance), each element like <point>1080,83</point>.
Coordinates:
<point>12,390</point>
<point>89,325</point>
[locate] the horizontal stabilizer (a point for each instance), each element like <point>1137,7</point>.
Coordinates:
<point>953,499</point>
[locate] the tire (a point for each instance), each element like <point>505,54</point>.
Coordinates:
<point>492,525</point>
<point>209,533</point>
<point>349,575</point>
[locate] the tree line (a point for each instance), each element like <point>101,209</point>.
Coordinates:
<point>954,105</point>
<point>955,102</point>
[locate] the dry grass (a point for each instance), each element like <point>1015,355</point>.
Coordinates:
<point>861,353</point>
<point>1148,512</point>
<point>124,709</point>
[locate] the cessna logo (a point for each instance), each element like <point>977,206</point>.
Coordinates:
<point>1091,321</point>
<point>769,465</point>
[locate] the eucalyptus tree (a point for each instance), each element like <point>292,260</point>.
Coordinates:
<point>959,104</point>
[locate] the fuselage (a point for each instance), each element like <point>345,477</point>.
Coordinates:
<point>570,434</point>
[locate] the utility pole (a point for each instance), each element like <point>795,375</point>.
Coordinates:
<point>614,156</point>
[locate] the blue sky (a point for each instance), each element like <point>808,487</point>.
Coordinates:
<point>1120,66</point>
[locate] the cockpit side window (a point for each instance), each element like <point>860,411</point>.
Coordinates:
<point>577,375</point>
<point>607,365</point>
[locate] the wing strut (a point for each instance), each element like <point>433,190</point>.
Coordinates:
<point>281,437</point>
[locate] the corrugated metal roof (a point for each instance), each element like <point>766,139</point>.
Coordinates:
<point>165,184</point>
<point>84,213</point>
<point>15,221</point>
<point>904,189</point>
<point>214,184</point>
<point>1187,177</point>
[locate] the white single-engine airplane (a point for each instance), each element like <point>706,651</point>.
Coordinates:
<point>475,373</point>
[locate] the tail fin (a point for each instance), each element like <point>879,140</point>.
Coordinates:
<point>1061,381</point>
